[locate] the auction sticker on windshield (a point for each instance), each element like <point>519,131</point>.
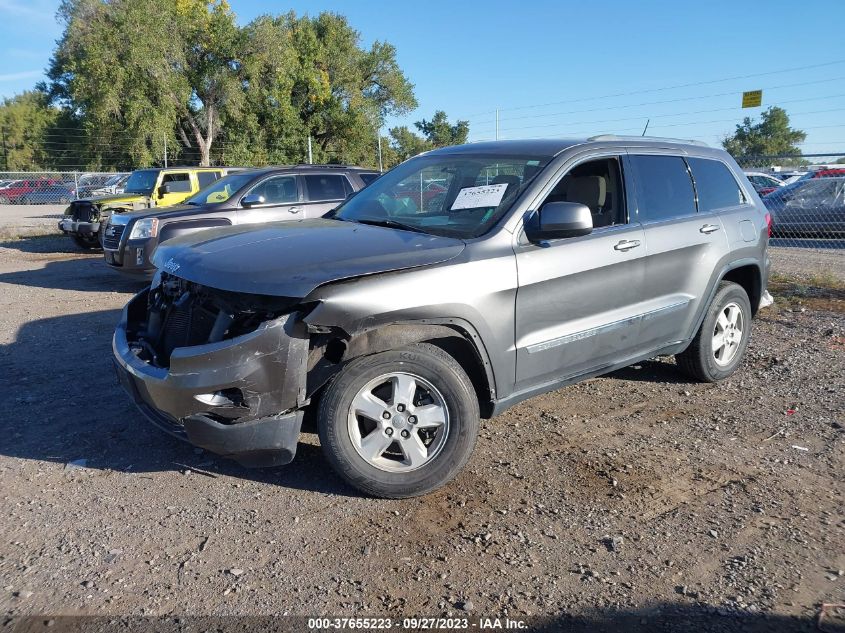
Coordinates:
<point>480,197</point>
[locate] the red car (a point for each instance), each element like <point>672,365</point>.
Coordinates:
<point>19,188</point>
<point>828,173</point>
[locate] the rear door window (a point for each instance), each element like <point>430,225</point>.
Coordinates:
<point>205,178</point>
<point>715,185</point>
<point>325,187</point>
<point>664,188</point>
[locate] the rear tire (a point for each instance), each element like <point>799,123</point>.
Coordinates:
<point>431,425</point>
<point>720,343</point>
<point>86,242</point>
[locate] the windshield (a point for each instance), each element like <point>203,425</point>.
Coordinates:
<point>221,190</point>
<point>142,181</point>
<point>451,195</point>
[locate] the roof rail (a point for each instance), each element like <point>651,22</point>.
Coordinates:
<point>617,137</point>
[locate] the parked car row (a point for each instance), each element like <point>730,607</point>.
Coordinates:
<point>809,207</point>
<point>398,309</point>
<point>143,189</point>
<point>56,190</point>
<point>251,196</point>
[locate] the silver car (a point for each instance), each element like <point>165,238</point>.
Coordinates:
<point>413,310</point>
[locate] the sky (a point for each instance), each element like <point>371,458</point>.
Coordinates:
<point>563,69</point>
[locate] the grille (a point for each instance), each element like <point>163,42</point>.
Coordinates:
<point>111,238</point>
<point>186,325</point>
<point>84,212</point>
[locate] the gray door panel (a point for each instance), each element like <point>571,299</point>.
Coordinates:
<point>680,258</point>
<point>284,201</point>
<point>318,209</point>
<point>578,304</point>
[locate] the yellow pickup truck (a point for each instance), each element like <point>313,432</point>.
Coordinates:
<point>146,188</point>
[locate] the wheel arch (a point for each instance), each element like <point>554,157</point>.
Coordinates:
<point>745,272</point>
<point>331,350</point>
<point>749,276</point>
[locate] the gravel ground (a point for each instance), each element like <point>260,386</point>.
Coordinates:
<point>636,501</point>
<point>29,219</point>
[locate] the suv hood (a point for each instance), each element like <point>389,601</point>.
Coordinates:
<point>290,259</point>
<point>120,197</point>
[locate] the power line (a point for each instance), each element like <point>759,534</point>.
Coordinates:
<point>662,116</point>
<point>665,101</point>
<point>664,88</point>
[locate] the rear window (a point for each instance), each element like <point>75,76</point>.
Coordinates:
<point>205,178</point>
<point>715,185</point>
<point>664,188</point>
<point>368,178</point>
<point>325,187</point>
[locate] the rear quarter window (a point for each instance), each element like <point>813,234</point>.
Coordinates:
<point>715,185</point>
<point>325,187</point>
<point>664,188</point>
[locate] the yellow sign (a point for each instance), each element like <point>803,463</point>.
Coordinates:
<point>752,99</point>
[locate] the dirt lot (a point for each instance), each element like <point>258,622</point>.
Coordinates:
<point>636,501</point>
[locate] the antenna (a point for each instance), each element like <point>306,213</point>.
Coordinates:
<point>647,121</point>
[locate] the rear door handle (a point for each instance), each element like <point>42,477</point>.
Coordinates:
<point>294,209</point>
<point>626,245</point>
<point>709,228</point>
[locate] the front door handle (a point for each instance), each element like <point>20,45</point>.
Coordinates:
<point>626,245</point>
<point>709,228</point>
<point>294,209</point>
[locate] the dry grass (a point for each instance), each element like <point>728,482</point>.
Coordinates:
<point>818,291</point>
<point>12,233</point>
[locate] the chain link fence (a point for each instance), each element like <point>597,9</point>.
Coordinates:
<point>805,195</point>
<point>57,187</point>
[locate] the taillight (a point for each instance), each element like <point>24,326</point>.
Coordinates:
<point>769,223</point>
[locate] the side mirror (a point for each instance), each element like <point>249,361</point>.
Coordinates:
<point>251,200</point>
<point>163,190</point>
<point>557,220</point>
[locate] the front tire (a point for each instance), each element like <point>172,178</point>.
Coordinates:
<point>399,423</point>
<point>720,343</point>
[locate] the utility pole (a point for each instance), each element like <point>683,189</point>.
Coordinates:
<point>310,156</point>
<point>165,151</point>
<point>5,149</point>
<point>497,124</point>
<point>380,166</point>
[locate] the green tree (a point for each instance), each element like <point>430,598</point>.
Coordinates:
<point>27,121</point>
<point>440,133</point>
<point>137,71</point>
<point>404,144</point>
<point>144,71</point>
<point>771,136</point>
<point>343,92</point>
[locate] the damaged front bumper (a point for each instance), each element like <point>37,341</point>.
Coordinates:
<point>241,398</point>
<point>79,227</point>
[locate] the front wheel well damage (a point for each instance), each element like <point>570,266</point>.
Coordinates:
<point>331,350</point>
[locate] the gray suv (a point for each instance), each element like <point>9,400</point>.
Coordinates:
<point>458,284</point>
<point>249,196</point>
